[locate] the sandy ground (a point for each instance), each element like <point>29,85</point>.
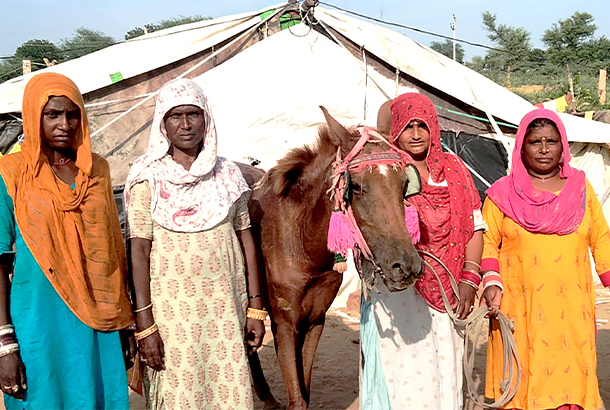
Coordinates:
<point>335,376</point>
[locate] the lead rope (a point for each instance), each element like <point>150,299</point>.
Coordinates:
<point>472,326</point>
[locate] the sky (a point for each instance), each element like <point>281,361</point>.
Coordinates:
<point>36,19</point>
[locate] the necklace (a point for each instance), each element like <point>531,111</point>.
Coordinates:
<point>545,178</point>
<point>62,162</point>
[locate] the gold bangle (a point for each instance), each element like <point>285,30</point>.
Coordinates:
<point>142,309</point>
<point>474,263</point>
<point>257,314</point>
<point>146,332</point>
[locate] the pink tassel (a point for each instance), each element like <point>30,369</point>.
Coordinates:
<point>412,222</point>
<point>341,234</point>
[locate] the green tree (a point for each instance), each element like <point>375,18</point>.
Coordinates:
<point>163,24</point>
<point>83,42</point>
<point>513,44</point>
<point>566,42</point>
<point>10,68</point>
<point>446,48</point>
<point>36,51</point>
<point>566,39</point>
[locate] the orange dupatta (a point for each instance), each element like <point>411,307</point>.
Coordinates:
<point>74,234</point>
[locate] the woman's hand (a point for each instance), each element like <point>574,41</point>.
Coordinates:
<point>255,331</point>
<point>467,295</point>
<point>152,351</point>
<point>12,375</point>
<point>493,298</point>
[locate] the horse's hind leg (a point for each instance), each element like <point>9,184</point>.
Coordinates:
<point>261,387</point>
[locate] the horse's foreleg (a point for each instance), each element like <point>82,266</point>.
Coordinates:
<point>286,345</point>
<point>318,299</point>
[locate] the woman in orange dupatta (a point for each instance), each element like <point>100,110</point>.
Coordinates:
<point>59,345</point>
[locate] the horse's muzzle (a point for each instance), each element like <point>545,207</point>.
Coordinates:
<point>403,273</point>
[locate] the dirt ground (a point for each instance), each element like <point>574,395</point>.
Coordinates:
<point>335,376</point>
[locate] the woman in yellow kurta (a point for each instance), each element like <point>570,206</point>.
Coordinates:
<point>542,220</point>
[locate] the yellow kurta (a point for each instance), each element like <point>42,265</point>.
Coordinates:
<point>549,293</point>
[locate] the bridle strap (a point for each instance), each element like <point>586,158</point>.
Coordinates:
<point>354,161</point>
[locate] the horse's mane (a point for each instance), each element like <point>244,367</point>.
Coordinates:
<point>302,169</point>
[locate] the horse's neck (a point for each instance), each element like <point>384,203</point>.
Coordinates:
<point>316,215</point>
<point>318,198</point>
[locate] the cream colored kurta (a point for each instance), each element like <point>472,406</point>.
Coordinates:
<point>198,290</point>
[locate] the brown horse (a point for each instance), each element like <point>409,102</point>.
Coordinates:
<point>296,208</point>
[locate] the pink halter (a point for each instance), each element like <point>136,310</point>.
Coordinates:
<point>343,230</point>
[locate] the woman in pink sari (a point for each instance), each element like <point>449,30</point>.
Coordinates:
<point>412,349</point>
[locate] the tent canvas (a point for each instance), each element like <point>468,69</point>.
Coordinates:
<point>265,85</point>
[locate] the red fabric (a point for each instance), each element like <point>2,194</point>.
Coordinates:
<point>538,211</point>
<point>488,264</point>
<point>445,213</point>
<point>605,278</point>
<point>562,407</point>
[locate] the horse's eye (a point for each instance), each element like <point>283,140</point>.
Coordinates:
<point>356,188</point>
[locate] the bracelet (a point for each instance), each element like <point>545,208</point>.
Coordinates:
<point>476,272</point>
<point>8,349</point>
<point>493,283</point>
<point>7,326</point>
<point>257,296</point>
<point>257,314</point>
<point>142,309</point>
<point>473,263</point>
<point>7,331</point>
<point>7,342</point>
<point>491,276</point>
<point>146,332</point>
<point>471,276</point>
<point>469,283</point>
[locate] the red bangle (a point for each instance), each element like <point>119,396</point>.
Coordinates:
<point>491,276</point>
<point>471,277</point>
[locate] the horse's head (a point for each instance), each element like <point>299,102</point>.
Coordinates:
<point>375,194</point>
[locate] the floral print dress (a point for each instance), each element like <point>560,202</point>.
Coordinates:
<point>198,290</point>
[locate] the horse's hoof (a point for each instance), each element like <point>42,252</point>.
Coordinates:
<point>274,405</point>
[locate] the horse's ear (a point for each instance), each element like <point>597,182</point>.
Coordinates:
<point>337,132</point>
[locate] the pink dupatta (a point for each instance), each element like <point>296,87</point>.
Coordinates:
<point>539,211</point>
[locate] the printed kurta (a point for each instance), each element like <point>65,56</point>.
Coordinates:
<point>198,290</point>
<point>549,293</point>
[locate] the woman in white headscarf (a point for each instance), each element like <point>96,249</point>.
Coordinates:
<point>194,292</point>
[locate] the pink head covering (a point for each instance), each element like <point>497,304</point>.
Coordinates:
<point>540,211</point>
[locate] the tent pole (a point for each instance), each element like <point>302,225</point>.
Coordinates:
<point>366,79</point>
<point>397,80</point>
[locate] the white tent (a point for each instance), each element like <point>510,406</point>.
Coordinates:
<point>265,84</point>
